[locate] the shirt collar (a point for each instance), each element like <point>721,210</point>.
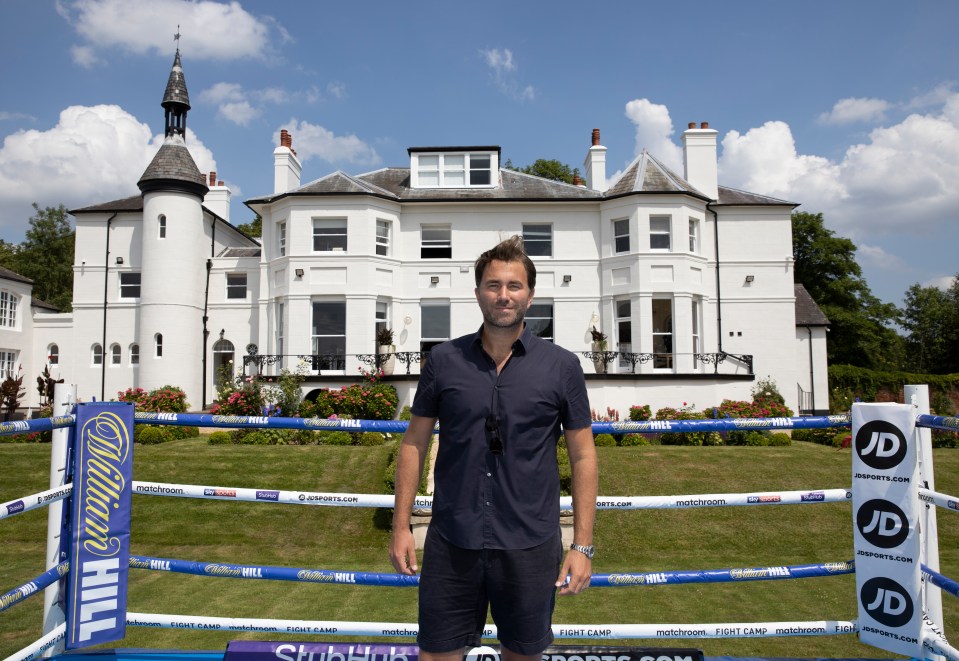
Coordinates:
<point>521,345</point>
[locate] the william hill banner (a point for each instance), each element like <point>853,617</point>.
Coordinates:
<point>100,521</point>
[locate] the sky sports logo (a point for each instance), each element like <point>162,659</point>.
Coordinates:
<point>812,496</point>
<point>763,499</point>
<point>227,493</point>
<point>267,495</point>
<point>14,508</point>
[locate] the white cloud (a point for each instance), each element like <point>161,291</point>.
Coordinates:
<point>336,89</point>
<point>654,129</point>
<point>314,141</point>
<point>851,110</point>
<point>15,116</point>
<point>503,71</point>
<point>943,282</point>
<point>877,256</point>
<point>222,93</point>
<point>87,158</point>
<point>217,30</point>
<point>241,106</point>
<point>240,113</point>
<point>932,99</point>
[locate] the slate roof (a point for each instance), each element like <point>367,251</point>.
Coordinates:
<point>733,197</point>
<point>37,303</point>
<point>647,175</point>
<point>7,274</point>
<point>176,85</point>
<point>807,312</point>
<point>240,252</point>
<point>394,184</point>
<point>174,166</point>
<point>133,203</point>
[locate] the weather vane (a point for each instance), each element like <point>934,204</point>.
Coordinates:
<point>176,37</point>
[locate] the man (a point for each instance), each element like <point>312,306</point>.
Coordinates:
<point>500,396</point>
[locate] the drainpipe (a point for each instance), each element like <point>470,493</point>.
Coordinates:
<point>719,294</point>
<point>206,306</point>
<point>106,282</point>
<point>812,374</point>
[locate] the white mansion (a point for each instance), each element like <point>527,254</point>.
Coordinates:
<point>691,282</point>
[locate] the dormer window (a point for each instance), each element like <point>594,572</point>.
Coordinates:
<point>455,167</point>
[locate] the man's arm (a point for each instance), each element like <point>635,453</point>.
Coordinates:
<point>582,462</point>
<point>409,469</point>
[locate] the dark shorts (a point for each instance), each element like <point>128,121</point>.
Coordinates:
<point>457,586</point>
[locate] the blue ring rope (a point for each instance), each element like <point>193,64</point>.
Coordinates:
<point>28,589</point>
<point>944,422</point>
<point>940,581</point>
<point>260,572</point>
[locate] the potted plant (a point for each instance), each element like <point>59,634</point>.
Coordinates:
<point>386,349</point>
<point>598,345</point>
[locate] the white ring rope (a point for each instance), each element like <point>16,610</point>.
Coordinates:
<point>37,648</point>
<point>593,631</point>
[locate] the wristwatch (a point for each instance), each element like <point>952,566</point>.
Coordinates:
<point>588,551</point>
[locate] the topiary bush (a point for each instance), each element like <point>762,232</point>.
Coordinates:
<point>149,435</point>
<point>370,438</point>
<point>336,438</point>
<point>633,440</point>
<point>219,438</point>
<point>779,439</point>
<point>604,441</point>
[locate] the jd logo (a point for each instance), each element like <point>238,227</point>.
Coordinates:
<point>483,653</point>
<point>882,523</point>
<point>886,601</point>
<point>880,444</point>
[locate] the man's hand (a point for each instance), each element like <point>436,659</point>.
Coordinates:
<point>403,552</point>
<point>579,569</point>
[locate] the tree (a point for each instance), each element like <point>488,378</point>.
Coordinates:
<point>861,332</point>
<point>46,256</point>
<point>548,169</point>
<point>931,321</point>
<point>254,228</point>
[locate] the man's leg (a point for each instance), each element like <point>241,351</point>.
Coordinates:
<point>456,655</point>
<point>509,655</point>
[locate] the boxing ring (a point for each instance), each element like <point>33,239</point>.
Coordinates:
<point>895,535</point>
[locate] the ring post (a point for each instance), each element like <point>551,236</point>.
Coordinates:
<point>64,397</point>
<point>885,504</point>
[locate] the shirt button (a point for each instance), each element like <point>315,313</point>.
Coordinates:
<point>489,475</point>
<point>487,503</point>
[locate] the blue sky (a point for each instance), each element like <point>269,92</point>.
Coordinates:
<point>850,108</point>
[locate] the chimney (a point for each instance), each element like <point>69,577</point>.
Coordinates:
<point>217,199</point>
<point>699,159</point>
<point>286,166</point>
<point>595,165</point>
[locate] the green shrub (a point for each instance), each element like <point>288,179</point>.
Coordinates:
<point>756,439</point>
<point>149,435</point>
<point>945,439</point>
<point>640,413</point>
<point>370,438</point>
<point>406,413</point>
<point>822,436</point>
<point>565,472</point>
<point>633,440</point>
<point>779,439</point>
<point>604,441</point>
<point>336,438</point>
<point>219,438</point>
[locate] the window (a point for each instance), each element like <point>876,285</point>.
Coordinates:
<point>435,322</point>
<point>621,235</point>
<point>538,240</point>
<point>694,235</point>
<point>236,286</point>
<point>134,354</point>
<point>329,234</point>
<point>659,232</point>
<point>8,309</point>
<point>279,328</point>
<point>8,363</point>
<point>383,237</point>
<point>158,345</point>
<point>662,333</point>
<point>53,354</point>
<point>539,318</point>
<point>697,317</point>
<point>624,330</point>
<point>222,362</point>
<point>454,170</point>
<point>130,285</point>
<point>115,357</point>
<point>329,334</point>
<point>96,355</point>
<point>436,242</point>
<point>161,226</point>
<point>281,239</point>
<point>382,316</point>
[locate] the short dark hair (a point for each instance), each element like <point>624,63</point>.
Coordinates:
<point>510,250</point>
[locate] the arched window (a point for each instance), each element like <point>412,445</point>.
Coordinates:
<point>158,345</point>
<point>115,354</point>
<point>134,354</point>
<point>53,354</point>
<point>97,354</point>
<point>223,369</point>
<point>161,226</point>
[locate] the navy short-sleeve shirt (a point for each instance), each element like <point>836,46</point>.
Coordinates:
<point>510,500</point>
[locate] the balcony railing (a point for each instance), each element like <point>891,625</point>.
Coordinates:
<point>605,362</point>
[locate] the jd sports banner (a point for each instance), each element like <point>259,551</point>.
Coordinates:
<point>885,502</point>
<point>100,520</point>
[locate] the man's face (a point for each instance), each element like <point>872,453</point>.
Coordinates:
<point>503,294</point>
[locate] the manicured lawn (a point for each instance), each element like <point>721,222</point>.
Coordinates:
<point>357,538</point>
